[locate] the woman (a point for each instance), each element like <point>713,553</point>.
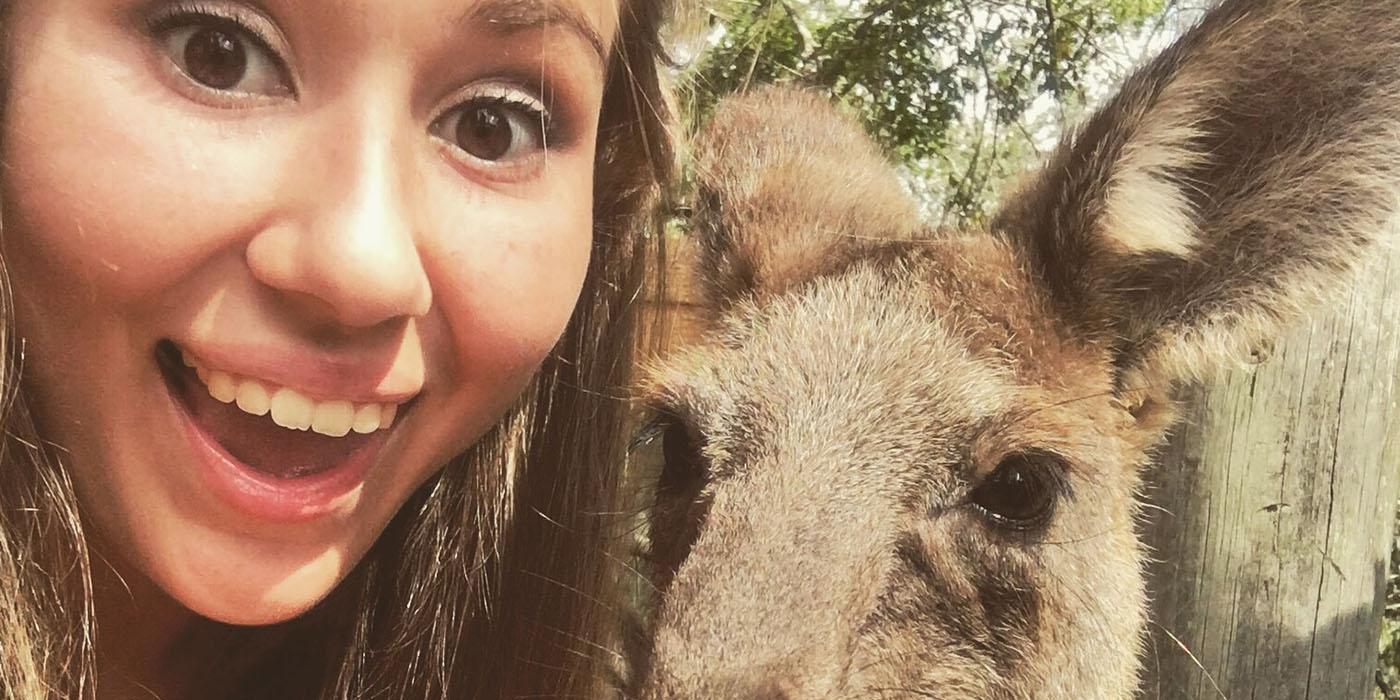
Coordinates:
<point>308,407</point>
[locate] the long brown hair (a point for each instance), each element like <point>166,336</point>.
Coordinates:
<point>499,578</point>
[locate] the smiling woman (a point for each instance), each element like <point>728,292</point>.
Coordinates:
<point>318,304</point>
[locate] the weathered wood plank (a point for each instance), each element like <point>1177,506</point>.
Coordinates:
<point>681,304</point>
<point>1271,513</point>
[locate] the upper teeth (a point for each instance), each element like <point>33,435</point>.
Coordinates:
<point>292,409</point>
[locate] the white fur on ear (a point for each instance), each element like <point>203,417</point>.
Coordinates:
<point>1147,208</point>
<point>1231,184</point>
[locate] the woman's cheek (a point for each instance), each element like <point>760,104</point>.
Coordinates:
<point>508,278</point>
<point>121,207</point>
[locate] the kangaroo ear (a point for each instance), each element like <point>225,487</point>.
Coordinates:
<point>787,184</point>
<point>1232,182</point>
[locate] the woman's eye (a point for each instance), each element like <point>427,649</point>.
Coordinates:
<point>220,55</point>
<point>495,129</point>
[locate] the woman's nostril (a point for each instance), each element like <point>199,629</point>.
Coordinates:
<point>354,285</point>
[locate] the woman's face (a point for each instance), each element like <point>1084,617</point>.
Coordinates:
<point>364,220</point>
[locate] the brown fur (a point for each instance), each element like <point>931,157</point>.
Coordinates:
<point>867,384</point>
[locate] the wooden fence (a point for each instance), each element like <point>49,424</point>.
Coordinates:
<point>1272,512</point>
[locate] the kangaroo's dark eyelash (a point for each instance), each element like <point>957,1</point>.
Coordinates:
<point>648,433</point>
<point>657,419</point>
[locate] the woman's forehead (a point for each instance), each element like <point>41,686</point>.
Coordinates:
<point>592,22</point>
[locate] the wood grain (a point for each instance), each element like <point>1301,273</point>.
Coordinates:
<point>1271,512</point>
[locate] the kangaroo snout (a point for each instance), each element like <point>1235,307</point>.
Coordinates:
<point>797,568</point>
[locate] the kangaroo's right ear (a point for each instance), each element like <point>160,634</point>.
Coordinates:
<point>787,184</point>
<point>1230,183</point>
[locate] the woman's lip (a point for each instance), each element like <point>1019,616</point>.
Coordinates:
<point>382,379</point>
<point>266,497</point>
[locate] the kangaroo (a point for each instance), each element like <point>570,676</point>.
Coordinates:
<point>903,461</point>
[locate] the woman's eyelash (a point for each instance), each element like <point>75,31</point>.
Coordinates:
<point>529,102</point>
<point>526,102</point>
<point>181,14</point>
<point>536,111</point>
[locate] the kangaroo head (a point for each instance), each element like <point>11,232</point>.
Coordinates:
<point>903,461</point>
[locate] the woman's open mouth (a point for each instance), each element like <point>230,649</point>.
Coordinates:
<point>270,451</point>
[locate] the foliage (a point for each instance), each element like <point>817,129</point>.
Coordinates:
<point>1388,670</point>
<point>955,90</point>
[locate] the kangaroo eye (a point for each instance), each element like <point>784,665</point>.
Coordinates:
<point>1021,493</point>
<point>667,450</point>
<point>682,469</point>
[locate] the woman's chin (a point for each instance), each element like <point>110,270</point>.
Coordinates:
<point>242,590</point>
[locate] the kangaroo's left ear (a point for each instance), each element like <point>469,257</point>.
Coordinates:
<point>787,184</point>
<point>1233,181</point>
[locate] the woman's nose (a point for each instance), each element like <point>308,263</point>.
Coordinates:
<point>342,240</point>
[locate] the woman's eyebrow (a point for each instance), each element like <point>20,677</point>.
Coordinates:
<point>510,16</point>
